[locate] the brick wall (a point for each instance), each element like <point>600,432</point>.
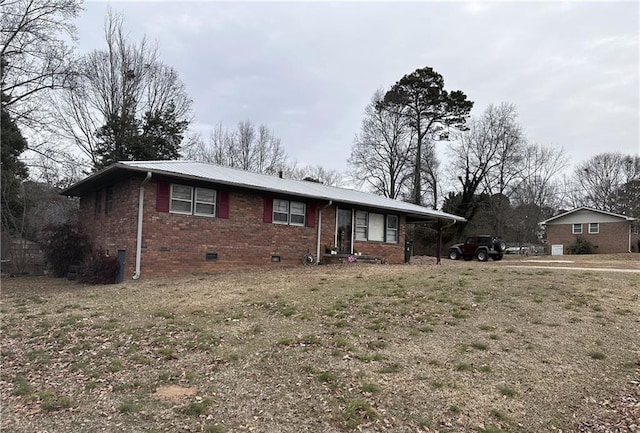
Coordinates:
<point>389,253</point>
<point>176,244</point>
<point>116,230</point>
<point>173,244</point>
<point>613,237</point>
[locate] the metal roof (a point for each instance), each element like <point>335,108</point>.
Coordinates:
<point>243,179</point>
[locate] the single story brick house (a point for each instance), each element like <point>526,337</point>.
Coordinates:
<point>165,218</point>
<point>610,232</point>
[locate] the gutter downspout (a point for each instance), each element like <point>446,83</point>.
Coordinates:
<point>136,275</point>
<point>320,229</point>
<point>453,222</point>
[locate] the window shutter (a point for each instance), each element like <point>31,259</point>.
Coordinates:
<point>268,210</point>
<point>311,215</point>
<point>223,204</point>
<point>162,197</point>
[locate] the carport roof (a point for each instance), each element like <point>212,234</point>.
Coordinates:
<point>210,173</point>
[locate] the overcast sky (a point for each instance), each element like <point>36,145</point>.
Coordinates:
<point>308,69</point>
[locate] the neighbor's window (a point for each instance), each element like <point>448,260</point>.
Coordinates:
<point>289,212</point>
<point>594,228</point>
<point>376,227</point>
<point>193,201</point>
<point>577,229</point>
<point>108,207</point>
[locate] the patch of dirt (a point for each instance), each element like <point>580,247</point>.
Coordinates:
<point>426,260</point>
<point>173,393</point>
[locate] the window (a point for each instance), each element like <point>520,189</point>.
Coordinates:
<point>98,203</point>
<point>372,227</point>
<point>577,229</point>
<point>108,207</point>
<point>289,212</point>
<point>205,203</point>
<point>181,197</point>
<point>361,226</point>
<point>376,227</point>
<point>297,213</point>
<point>281,211</point>
<point>189,200</point>
<point>392,228</point>
<point>594,228</point>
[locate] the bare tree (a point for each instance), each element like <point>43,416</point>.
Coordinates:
<point>501,123</point>
<point>381,156</point>
<point>597,178</point>
<point>34,54</point>
<point>248,148</point>
<point>485,156</point>
<point>245,145</point>
<point>269,153</point>
<point>430,168</point>
<point>119,87</point>
<point>507,134</point>
<point>315,173</point>
<point>257,150</point>
<point>218,150</point>
<point>538,181</point>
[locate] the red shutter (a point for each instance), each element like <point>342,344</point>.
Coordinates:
<point>223,204</point>
<point>162,197</point>
<point>268,210</point>
<point>311,215</point>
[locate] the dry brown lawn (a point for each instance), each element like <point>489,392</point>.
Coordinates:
<point>461,346</point>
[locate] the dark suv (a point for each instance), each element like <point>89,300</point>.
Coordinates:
<point>480,247</point>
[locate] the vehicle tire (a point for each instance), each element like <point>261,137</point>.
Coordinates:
<point>500,246</point>
<point>467,258</point>
<point>482,256</point>
<point>497,257</point>
<point>454,255</point>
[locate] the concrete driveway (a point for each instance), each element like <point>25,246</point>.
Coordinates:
<point>608,263</point>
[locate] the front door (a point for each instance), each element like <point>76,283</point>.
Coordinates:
<point>344,231</point>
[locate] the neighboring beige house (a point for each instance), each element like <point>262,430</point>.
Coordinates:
<point>610,232</point>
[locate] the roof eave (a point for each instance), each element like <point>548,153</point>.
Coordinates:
<point>76,188</point>
<point>564,214</point>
